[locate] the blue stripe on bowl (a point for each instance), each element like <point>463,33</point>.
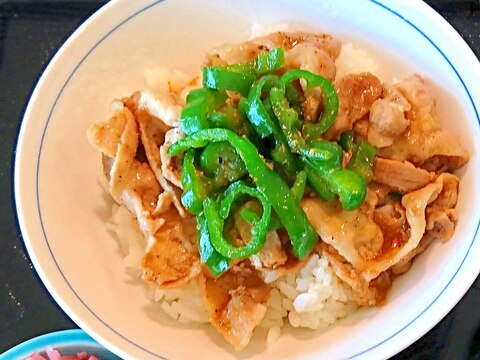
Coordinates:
<point>363,352</point>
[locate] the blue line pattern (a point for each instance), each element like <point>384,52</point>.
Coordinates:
<point>376,2</point>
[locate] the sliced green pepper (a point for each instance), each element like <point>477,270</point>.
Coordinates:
<point>319,153</point>
<point>221,79</point>
<point>270,61</point>
<point>395,195</point>
<point>362,160</point>
<point>200,103</point>
<point>298,188</point>
<point>363,155</point>
<point>216,262</point>
<point>256,111</point>
<point>322,153</point>
<point>259,226</point>
<point>236,190</point>
<point>250,216</point>
<point>295,98</point>
<point>330,100</point>
<point>286,163</point>
<point>194,116</point>
<point>195,186</point>
<point>289,119</point>
<point>301,232</point>
<point>263,119</point>
<point>347,140</point>
<point>227,117</point>
<point>215,216</point>
<point>318,184</point>
<point>348,185</point>
<point>322,158</point>
<point>265,62</point>
<point>221,162</point>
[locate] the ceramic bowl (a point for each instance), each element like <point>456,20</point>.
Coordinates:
<point>63,212</point>
<point>67,342</point>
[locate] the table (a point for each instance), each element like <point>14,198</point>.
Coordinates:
<point>30,34</point>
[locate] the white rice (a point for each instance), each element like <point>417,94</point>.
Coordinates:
<point>259,30</point>
<point>312,298</point>
<point>173,81</point>
<point>355,60</point>
<point>184,304</point>
<point>166,79</point>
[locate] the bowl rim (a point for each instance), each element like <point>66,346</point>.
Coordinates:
<point>446,306</point>
<point>54,339</point>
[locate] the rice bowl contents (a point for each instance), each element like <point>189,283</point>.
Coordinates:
<point>288,184</point>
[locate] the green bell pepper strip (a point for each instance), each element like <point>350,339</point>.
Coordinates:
<point>260,225</point>
<point>270,61</point>
<point>298,187</point>
<point>347,140</point>
<point>195,186</point>
<point>206,108</point>
<point>256,111</point>
<point>251,217</point>
<point>290,122</point>
<point>268,107</point>
<point>363,155</point>
<point>264,122</point>
<point>348,185</point>
<point>215,225</point>
<point>362,160</point>
<point>319,153</point>
<point>301,232</point>
<point>281,153</point>
<point>234,191</point>
<point>318,184</point>
<point>330,100</point>
<point>194,116</point>
<point>221,79</point>
<point>200,103</point>
<point>218,97</point>
<point>243,106</point>
<point>297,190</point>
<point>295,99</point>
<point>266,62</point>
<point>322,158</point>
<point>395,195</point>
<point>322,153</point>
<point>227,117</point>
<point>221,163</point>
<point>216,262</point>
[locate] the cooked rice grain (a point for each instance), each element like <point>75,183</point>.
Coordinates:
<point>313,298</point>
<point>353,60</point>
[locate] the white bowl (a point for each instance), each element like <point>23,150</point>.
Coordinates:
<point>62,211</point>
<point>67,342</point>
